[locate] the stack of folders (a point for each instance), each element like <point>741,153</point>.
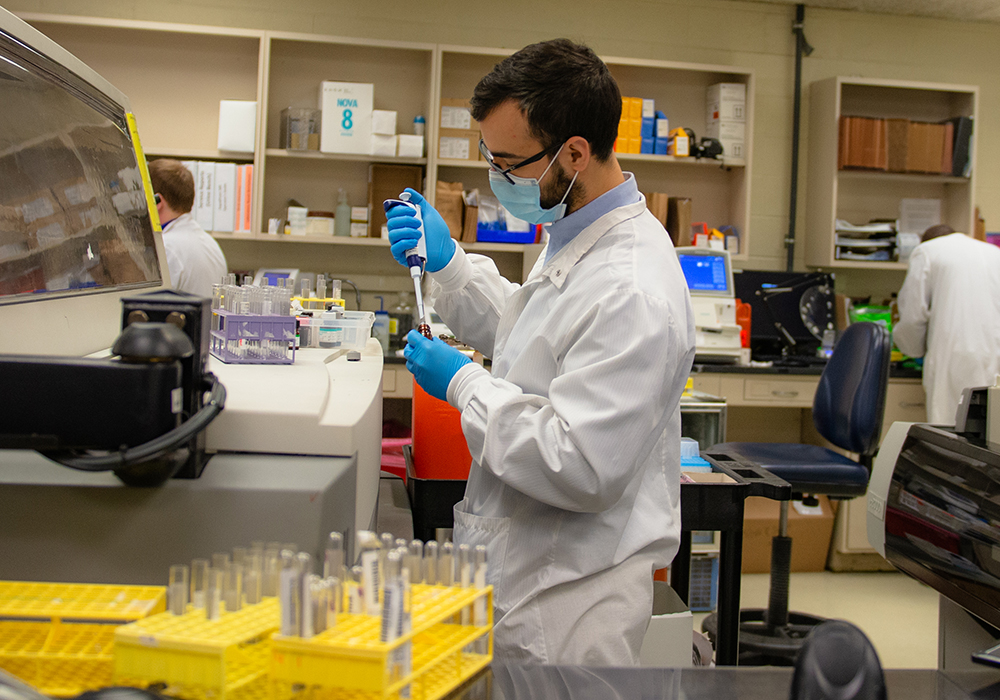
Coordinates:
<point>871,241</point>
<point>223,195</point>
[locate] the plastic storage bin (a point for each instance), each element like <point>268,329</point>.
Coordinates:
<point>249,339</point>
<point>43,644</point>
<point>199,659</point>
<point>350,661</point>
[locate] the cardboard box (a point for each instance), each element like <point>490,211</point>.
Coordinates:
<point>346,122</point>
<point>724,129</point>
<point>679,220</point>
<point>811,530</point>
<point>726,101</point>
<point>458,144</point>
<point>387,182</point>
<point>450,205</point>
<point>656,202</point>
<point>456,113</point>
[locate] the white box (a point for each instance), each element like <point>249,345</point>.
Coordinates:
<point>661,129</point>
<point>454,148</point>
<point>297,220</point>
<point>237,125</point>
<point>670,635</point>
<point>410,146</point>
<point>726,130</point>
<point>383,145</point>
<point>726,101</point>
<point>384,122</point>
<point>224,206</point>
<point>346,122</point>
<point>204,214</point>
<point>455,117</point>
<point>648,108</point>
<point>733,148</point>
<point>359,230</point>
<point>359,215</point>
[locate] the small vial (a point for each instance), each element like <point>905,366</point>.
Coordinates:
<point>392,603</point>
<point>333,562</point>
<point>479,612</point>
<point>233,592</point>
<point>336,600</point>
<point>355,593</point>
<point>387,541</point>
<point>177,589</point>
<point>272,571</point>
<point>252,578</point>
<point>416,563</point>
<point>305,561</point>
<point>220,560</point>
<point>289,590</point>
<point>213,594</point>
<point>319,596</point>
<point>371,551</point>
<point>431,563</point>
<point>425,330</point>
<point>465,577</point>
<point>199,568</point>
<point>446,565</point>
<point>240,555</point>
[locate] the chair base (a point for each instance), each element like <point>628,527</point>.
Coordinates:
<point>761,645</point>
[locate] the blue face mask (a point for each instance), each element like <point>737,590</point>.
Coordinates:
<point>523,198</point>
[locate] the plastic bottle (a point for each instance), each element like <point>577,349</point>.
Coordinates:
<point>400,321</point>
<point>380,329</point>
<point>418,125</point>
<point>342,217</point>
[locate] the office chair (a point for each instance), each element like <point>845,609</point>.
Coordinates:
<point>847,411</point>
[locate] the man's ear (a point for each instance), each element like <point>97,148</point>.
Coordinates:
<point>578,149</point>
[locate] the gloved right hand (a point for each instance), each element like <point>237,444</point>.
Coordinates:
<point>404,233</point>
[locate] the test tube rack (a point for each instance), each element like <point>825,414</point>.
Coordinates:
<point>252,339</point>
<point>59,637</point>
<point>197,658</point>
<point>348,660</point>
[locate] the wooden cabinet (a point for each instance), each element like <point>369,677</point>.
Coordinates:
<point>859,196</point>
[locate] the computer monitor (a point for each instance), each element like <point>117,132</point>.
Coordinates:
<point>76,225</point>
<point>788,308</point>
<point>708,271</point>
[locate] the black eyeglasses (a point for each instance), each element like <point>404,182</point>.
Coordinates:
<point>527,161</point>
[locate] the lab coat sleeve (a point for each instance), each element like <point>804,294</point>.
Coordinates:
<point>914,302</point>
<point>174,265</point>
<point>620,379</point>
<point>469,294</point>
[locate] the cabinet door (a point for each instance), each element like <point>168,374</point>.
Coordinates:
<point>904,401</point>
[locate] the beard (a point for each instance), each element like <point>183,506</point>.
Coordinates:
<point>559,181</point>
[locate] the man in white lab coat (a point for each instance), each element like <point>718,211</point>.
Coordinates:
<point>949,314</point>
<point>575,434</point>
<point>194,259</point>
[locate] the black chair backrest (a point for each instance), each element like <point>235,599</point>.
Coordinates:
<point>850,398</point>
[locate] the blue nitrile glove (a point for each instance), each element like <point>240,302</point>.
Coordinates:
<point>433,363</point>
<point>403,233</point>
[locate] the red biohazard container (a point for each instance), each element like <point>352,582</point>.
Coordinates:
<point>439,447</point>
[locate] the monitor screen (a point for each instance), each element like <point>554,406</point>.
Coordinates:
<point>706,271</point>
<point>765,340</point>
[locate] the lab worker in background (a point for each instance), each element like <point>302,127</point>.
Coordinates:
<point>575,434</point>
<point>194,259</point>
<point>949,314</point>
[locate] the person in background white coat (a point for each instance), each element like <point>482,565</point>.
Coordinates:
<point>194,258</point>
<point>949,314</point>
<point>575,434</point>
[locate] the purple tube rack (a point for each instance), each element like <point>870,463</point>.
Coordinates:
<point>249,339</point>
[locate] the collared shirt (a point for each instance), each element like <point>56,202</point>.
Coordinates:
<point>574,435</point>
<point>567,228</point>
<point>194,259</point>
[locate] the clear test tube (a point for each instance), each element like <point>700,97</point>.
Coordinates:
<point>253,578</point>
<point>233,592</point>
<point>335,600</point>
<point>198,582</point>
<point>387,540</point>
<point>240,555</point>
<point>371,576</point>
<point>305,561</point>
<point>220,560</point>
<point>289,591</point>
<point>321,286</point>
<point>479,612</point>
<point>271,571</point>
<point>213,594</point>
<point>416,563</point>
<point>333,561</point>
<point>335,287</point>
<point>465,577</point>
<point>177,589</point>
<point>355,593</point>
<point>446,565</point>
<point>431,563</point>
<point>319,594</point>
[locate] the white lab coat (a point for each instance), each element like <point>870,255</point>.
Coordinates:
<point>194,259</point>
<point>949,309</point>
<point>575,437</point>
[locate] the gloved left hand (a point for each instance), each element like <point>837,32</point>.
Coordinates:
<point>433,363</point>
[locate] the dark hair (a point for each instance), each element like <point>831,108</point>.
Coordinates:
<point>936,231</point>
<point>564,90</point>
<point>174,181</point>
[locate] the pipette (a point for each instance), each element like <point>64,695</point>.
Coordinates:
<point>416,258</point>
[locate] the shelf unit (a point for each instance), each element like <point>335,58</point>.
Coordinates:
<point>176,74</point>
<point>859,196</point>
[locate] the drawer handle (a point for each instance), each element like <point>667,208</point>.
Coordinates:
<point>785,394</point>
<point>910,404</point>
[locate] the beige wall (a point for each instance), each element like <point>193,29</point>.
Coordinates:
<point>746,34</point>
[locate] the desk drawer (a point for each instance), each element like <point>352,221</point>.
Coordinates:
<point>780,391</point>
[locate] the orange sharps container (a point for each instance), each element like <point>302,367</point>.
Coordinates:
<point>439,447</point>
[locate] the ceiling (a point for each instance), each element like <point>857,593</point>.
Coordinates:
<point>969,10</point>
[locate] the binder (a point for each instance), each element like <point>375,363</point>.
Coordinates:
<point>225,198</point>
<point>204,212</point>
<point>961,161</point>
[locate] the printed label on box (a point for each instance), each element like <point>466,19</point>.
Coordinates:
<point>346,122</point>
<point>455,148</point>
<point>455,118</point>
